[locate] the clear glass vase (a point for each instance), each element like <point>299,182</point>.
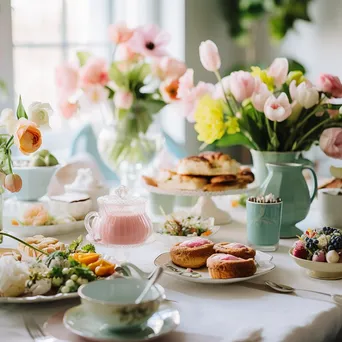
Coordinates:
<point>129,145</point>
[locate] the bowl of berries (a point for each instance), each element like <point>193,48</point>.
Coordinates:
<point>320,252</point>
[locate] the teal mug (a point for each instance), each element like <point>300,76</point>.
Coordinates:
<point>263,225</point>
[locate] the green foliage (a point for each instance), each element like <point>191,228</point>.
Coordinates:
<point>281,14</point>
<point>21,113</point>
<point>75,244</point>
<point>89,248</point>
<point>234,140</point>
<point>83,57</point>
<point>118,77</point>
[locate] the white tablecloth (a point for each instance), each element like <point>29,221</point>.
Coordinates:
<point>240,312</point>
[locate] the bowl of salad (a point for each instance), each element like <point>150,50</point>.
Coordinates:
<point>181,226</point>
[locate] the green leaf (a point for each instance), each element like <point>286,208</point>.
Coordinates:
<point>75,244</point>
<point>234,139</point>
<point>120,79</point>
<point>275,141</point>
<point>83,57</point>
<point>21,113</point>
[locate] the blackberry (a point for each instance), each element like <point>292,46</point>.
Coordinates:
<point>311,244</point>
<point>329,230</point>
<point>336,242</point>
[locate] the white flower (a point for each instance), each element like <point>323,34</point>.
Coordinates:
<point>96,94</point>
<point>8,120</point>
<point>39,113</point>
<point>322,241</point>
<point>306,95</point>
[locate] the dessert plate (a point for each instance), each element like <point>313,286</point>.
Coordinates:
<point>38,299</point>
<point>51,230</point>
<point>82,324</point>
<point>201,275</point>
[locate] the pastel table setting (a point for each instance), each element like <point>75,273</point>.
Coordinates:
<point>247,311</point>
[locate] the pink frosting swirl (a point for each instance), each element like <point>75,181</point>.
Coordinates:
<point>221,256</point>
<point>235,245</point>
<point>195,243</point>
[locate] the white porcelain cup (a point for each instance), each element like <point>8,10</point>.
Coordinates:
<point>330,207</point>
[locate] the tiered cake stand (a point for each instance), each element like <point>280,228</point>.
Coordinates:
<point>205,205</point>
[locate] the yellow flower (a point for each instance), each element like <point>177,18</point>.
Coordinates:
<point>232,125</point>
<point>209,125</point>
<point>264,77</point>
<point>295,76</point>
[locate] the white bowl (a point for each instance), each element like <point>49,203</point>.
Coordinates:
<point>170,240</point>
<point>35,181</point>
<point>319,270</point>
<point>330,206</point>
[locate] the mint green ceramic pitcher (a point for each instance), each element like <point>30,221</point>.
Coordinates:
<point>286,180</point>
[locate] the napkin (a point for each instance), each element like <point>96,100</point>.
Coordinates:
<point>67,173</point>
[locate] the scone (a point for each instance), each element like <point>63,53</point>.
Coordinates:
<point>236,249</point>
<point>224,186</point>
<point>226,266</point>
<point>208,164</point>
<point>245,176</point>
<point>192,253</point>
<point>45,244</point>
<point>179,182</point>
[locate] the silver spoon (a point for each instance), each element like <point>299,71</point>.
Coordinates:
<point>288,289</point>
<point>157,273</point>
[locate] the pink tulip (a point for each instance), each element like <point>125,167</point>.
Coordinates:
<point>67,77</point>
<point>95,71</point>
<point>67,109</point>
<point>123,99</point>
<point>242,85</point>
<point>167,67</point>
<point>186,84</point>
<point>168,90</point>
<point>331,142</point>
<point>278,70</point>
<point>120,33</point>
<point>277,109</point>
<point>225,84</point>
<point>260,95</point>
<point>209,56</point>
<point>306,95</point>
<point>330,84</point>
<point>150,41</point>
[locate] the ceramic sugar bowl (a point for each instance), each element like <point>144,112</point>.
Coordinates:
<point>86,183</point>
<point>121,220</point>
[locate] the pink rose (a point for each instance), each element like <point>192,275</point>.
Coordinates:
<point>123,99</point>
<point>168,90</point>
<point>209,56</point>
<point>331,142</point>
<point>277,109</point>
<point>150,41</point>
<point>260,95</point>
<point>95,71</point>
<point>167,67</point>
<point>278,70</point>
<point>66,77</point>
<point>120,33</point>
<point>330,84</point>
<point>242,85</point>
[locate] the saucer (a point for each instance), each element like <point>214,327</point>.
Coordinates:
<point>80,323</point>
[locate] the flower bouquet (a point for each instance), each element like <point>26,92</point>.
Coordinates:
<point>140,80</point>
<point>23,131</point>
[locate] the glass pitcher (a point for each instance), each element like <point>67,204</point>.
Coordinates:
<point>121,220</point>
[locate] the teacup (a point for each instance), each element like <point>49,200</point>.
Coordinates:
<point>330,204</point>
<point>112,302</point>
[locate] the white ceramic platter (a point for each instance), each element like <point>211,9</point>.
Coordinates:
<point>38,299</point>
<point>264,266</point>
<point>251,188</point>
<point>57,229</point>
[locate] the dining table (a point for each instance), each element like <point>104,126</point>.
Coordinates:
<point>244,311</point>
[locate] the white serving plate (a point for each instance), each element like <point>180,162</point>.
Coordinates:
<point>264,266</point>
<point>319,270</point>
<point>38,299</point>
<point>170,240</point>
<point>56,229</point>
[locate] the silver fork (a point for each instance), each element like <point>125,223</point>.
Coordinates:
<point>35,331</point>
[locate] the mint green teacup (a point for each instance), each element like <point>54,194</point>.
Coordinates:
<point>112,302</point>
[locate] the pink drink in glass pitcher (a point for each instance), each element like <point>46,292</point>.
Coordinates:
<point>121,220</point>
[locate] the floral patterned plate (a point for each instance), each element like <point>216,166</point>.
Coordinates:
<point>263,261</point>
<point>82,324</point>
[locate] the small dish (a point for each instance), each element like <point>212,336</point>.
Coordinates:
<point>170,240</point>
<point>51,230</point>
<point>161,323</point>
<point>329,206</point>
<point>201,275</point>
<point>319,270</point>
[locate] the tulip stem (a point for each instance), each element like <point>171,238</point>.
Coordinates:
<point>218,76</point>
<point>310,132</point>
<point>269,129</point>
